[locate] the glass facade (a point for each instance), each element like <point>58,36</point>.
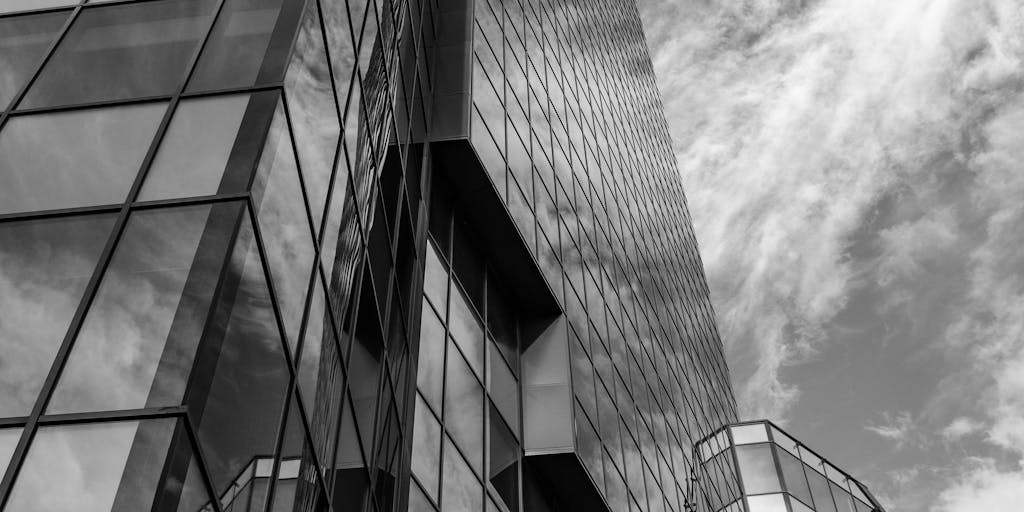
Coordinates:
<point>372,255</point>
<point>756,467</point>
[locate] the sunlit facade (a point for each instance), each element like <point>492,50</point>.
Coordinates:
<point>272,255</point>
<point>756,467</point>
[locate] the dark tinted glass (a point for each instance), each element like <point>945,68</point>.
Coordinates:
<point>23,39</point>
<point>238,45</point>
<point>74,158</point>
<point>140,335</point>
<point>123,51</point>
<point>320,376</point>
<point>238,402</point>
<point>45,266</point>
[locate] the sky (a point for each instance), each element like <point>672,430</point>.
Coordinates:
<point>855,172</point>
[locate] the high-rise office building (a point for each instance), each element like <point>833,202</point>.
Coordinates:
<point>757,467</point>
<point>344,255</point>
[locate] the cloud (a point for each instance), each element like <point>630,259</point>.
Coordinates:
<point>959,428</point>
<point>899,427</point>
<point>984,488</point>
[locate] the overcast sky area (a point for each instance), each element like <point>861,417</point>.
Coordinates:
<point>855,172</point>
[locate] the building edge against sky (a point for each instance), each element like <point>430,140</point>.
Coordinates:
<point>330,255</point>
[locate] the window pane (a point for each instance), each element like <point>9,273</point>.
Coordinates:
<point>844,502</point>
<point>23,39</point>
<point>44,268</point>
<point>503,389</point>
<point>238,404</point>
<point>435,280</point>
<point>749,434</point>
<point>123,51</point>
<point>503,461</point>
<point>757,469</point>
<point>461,490</point>
<point>430,370</point>
<point>767,503</point>
<point>281,212</point>
<point>786,442</point>
<point>799,507</point>
<point>426,448</point>
<point>24,5</point>
<point>793,474</point>
<point>298,486</point>
<point>312,109</point>
<point>99,467</point>
<point>320,377</point>
<point>237,47</point>
<point>195,150</point>
<point>140,335</point>
<point>465,328</point>
<point>75,158</point>
<point>8,441</point>
<point>464,409</point>
<point>819,489</point>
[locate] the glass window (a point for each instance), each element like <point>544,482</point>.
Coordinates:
<point>125,51</point>
<point>284,224</point>
<point>799,507</point>
<point>461,490</point>
<point>786,442</point>
<point>749,434</point>
<point>819,490</point>
<point>430,371</point>
<point>312,110</point>
<point>319,374</point>
<point>298,485</point>
<point>793,475</point>
<point>466,330</point>
<point>23,40</point>
<point>45,266</point>
<point>238,402</point>
<point>426,448</point>
<point>464,409</point>
<point>196,148</point>
<point>24,5</point>
<point>418,501</point>
<point>140,335</point>
<point>75,158</point>
<point>503,388</point>
<point>844,502</point>
<point>435,282</point>
<point>8,442</point>
<point>757,469</point>
<point>238,45</point>
<point>99,466</point>
<point>503,457</point>
<point>767,503</point>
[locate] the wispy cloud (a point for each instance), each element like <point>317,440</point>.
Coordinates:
<point>841,155</point>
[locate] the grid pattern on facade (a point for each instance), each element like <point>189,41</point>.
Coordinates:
<point>769,471</point>
<point>191,192</point>
<point>567,121</point>
<point>467,445</point>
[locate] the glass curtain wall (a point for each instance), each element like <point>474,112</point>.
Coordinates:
<point>567,120</point>
<point>189,191</point>
<point>766,470</point>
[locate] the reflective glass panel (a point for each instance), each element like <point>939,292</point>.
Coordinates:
<point>140,335</point>
<point>435,280</point>
<point>320,375</point>
<point>426,448</point>
<point>23,40</point>
<point>74,158</point>
<point>844,502</point>
<point>793,475</point>
<point>8,441</point>
<point>767,503</point>
<point>100,467</point>
<point>312,110</point>
<point>749,434</point>
<point>238,45</point>
<point>461,491</point>
<point>503,461</point>
<point>503,388</point>
<point>430,371</point>
<point>418,501</point>
<point>238,403</point>
<point>464,409</point>
<point>196,147</point>
<point>819,490</point>
<point>298,480</point>
<point>757,469</point>
<point>798,506</point>
<point>45,266</point>
<point>24,5</point>
<point>125,51</point>
<point>281,212</point>
<point>465,328</point>
<point>786,442</point>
